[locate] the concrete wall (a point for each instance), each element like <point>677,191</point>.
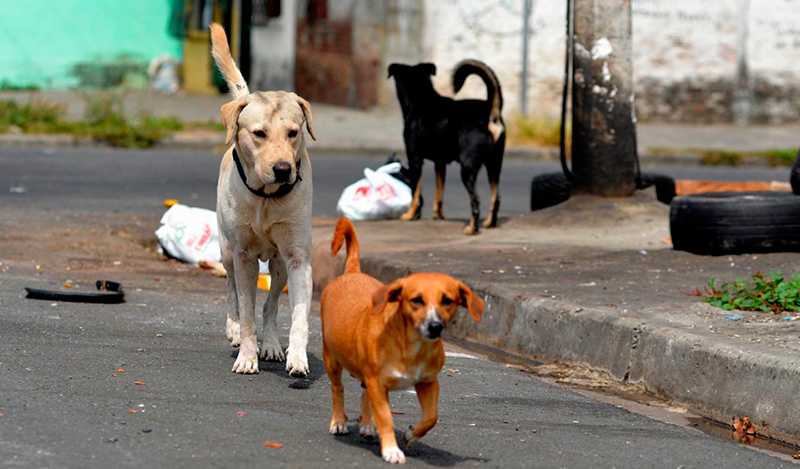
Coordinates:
<point>43,39</point>
<point>720,61</point>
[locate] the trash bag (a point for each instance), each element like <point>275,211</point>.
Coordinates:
<point>378,196</point>
<point>189,234</point>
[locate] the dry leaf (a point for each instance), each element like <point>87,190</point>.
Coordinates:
<point>68,284</point>
<point>241,413</point>
<point>743,430</point>
<point>397,412</point>
<point>120,370</point>
<point>139,382</point>
<point>273,444</point>
<point>796,455</point>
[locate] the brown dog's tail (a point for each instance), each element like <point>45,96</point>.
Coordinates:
<point>346,232</point>
<point>224,60</point>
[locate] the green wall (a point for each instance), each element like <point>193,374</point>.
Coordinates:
<point>42,40</point>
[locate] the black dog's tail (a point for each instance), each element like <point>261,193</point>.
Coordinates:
<point>494,94</point>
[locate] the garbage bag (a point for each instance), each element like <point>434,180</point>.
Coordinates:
<point>190,234</point>
<point>378,195</point>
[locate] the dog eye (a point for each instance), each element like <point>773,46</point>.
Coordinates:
<point>446,301</point>
<point>417,300</point>
<point>260,134</point>
<point>293,133</point>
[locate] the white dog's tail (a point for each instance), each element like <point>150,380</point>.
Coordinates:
<point>224,60</point>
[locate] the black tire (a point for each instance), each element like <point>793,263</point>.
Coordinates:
<point>794,177</point>
<point>735,222</point>
<point>549,189</point>
<point>665,186</point>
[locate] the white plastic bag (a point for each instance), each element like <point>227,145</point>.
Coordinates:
<point>377,196</point>
<point>190,234</point>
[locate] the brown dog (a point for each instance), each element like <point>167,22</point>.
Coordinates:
<point>389,338</point>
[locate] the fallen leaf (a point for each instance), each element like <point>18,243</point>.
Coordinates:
<point>68,284</point>
<point>139,382</point>
<point>241,413</point>
<point>398,412</point>
<point>273,444</point>
<point>120,370</point>
<point>796,455</point>
<point>743,430</point>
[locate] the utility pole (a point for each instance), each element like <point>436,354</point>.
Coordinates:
<point>527,7</point>
<point>603,122</point>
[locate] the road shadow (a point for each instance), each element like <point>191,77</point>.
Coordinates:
<point>278,368</point>
<point>420,451</point>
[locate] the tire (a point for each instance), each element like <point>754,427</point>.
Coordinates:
<point>735,222</point>
<point>794,176</point>
<point>549,189</point>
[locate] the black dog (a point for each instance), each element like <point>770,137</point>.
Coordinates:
<point>443,130</point>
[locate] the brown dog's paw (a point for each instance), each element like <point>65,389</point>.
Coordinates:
<point>338,428</point>
<point>490,222</point>
<point>470,230</point>
<point>408,216</point>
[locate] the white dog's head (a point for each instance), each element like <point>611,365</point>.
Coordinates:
<point>267,128</point>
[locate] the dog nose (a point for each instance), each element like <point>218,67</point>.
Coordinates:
<point>435,329</point>
<point>282,171</point>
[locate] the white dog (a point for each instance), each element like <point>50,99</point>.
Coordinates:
<point>264,212</point>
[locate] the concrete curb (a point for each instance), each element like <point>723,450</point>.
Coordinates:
<point>712,377</point>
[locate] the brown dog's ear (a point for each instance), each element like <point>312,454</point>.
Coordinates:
<point>230,117</point>
<point>471,301</point>
<point>388,293</point>
<point>306,107</point>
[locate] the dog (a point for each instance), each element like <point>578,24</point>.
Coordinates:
<point>444,130</point>
<point>264,212</point>
<point>389,338</point>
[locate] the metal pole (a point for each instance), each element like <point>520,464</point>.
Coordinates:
<point>523,95</point>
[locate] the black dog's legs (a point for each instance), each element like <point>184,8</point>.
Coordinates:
<point>493,167</point>
<point>415,181</point>
<point>468,176</point>
<point>441,175</point>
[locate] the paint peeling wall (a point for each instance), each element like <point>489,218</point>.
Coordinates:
<point>715,61</point>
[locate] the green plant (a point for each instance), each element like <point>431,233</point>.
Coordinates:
<point>720,158</point>
<point>537,130</point>
<point>768,293</point>
<point>31,117</point>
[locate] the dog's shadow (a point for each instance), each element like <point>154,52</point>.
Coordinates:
<point>425,453</point>
<point>278,368</point>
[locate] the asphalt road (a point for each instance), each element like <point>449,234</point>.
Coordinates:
<point>64,403</point>
<point>128,180</point>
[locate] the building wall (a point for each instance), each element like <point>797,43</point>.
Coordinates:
<point>44,39</point>
<point>273,51</point>
<point>720,61</point>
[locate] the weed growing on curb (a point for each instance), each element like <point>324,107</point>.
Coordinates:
<point>104,121</point>
<point>767,293</point>
<point>540,130</point>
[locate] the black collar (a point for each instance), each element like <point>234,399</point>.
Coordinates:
<point>283,189</point>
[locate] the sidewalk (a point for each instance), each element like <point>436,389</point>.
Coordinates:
<point>595,283</point>
<point>380,131</point>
